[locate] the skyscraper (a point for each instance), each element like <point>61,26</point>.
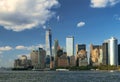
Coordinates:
<point>34,58</point>
<point>119,54</point>
<point>70,46</point>
<point>81,55</point>
<point>95,54</point>
<point>56,45</point>
<point>49,46</point>
<point>41,58</point>
<point>105,53</point>
<point>48,42</point>
<point>113,51</point>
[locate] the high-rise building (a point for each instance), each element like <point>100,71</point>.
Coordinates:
<point>95,55</point>
<point>70,46</point>
<point>119,54</point>
<point>48,42</point>
<point>49,46</point>
<point>113,51</point>
<point>56,45</point>
<point>41,58</point>
<point>34,58</point>
<point>105,53</point>
<point>81,55</point>
<point>80,47</point>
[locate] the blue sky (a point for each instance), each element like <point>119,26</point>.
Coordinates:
<point>23,24</point>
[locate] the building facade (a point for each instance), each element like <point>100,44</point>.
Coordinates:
<point>22,62</point>
<point>119,54</point>
<point>34,57</point>
<point>105,53</point>
<point>113,51</point>
<point>72,61</point>
<point>81,55</point>
<point>56,45</point>
<point>41,58</point>
<point>70,46</point>
<point>95,55</point>
<point>48,42</point>
<point>63,61</point>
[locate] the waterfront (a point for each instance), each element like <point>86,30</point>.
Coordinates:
<point>54,76</point>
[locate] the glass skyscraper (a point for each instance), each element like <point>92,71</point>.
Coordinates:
<point>70,46</point>
<point>48,42</point>
<point>113,51</point>
<point>48,47</point>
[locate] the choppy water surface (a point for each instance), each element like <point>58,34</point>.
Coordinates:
<point>53,76</point>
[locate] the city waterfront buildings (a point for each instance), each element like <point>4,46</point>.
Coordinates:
<point>22,62</point>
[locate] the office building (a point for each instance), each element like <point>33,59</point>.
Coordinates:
<point>34,58</point>
<point>56,45</point>
<point>105,53</point>
<point>119,54</point>
<point>49,45</point>
<point>63,60</point>
<point>72,61</point>
<point>70,46</point>
<point>95,55</point>
<point>81,55</point>
<point>113,51</point>
<point>48,42</point>
<point>41,58</point>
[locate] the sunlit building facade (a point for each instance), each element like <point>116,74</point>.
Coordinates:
<point>113,51</point>
<point>70,46</point>
<point>81,55</point>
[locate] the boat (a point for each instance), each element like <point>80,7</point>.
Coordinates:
<point>62,69</point>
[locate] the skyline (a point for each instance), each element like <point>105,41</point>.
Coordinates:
<point>89,21</point>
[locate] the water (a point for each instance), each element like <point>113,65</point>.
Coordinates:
<point>54,76</point>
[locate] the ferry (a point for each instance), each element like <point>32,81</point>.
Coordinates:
<point>62,69</point>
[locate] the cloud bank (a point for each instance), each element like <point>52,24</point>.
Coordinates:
<point>18,15</point>
<point>103,3</point>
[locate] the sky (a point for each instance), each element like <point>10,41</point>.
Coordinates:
<point>23,24</point>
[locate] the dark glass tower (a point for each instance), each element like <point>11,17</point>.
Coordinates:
<point>105,53</point>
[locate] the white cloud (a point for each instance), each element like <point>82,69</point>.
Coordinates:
<point>5,48</point>
<point>18,15</point>
<point>81,24</point>
<point>20,47</point>
<point>103,3</point>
